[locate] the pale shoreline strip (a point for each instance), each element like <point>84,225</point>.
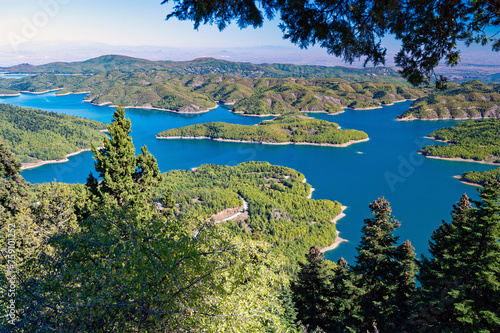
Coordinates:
<point>411,118</point>
<point>458,159</point>
<point>32,165</point>
<point>338,240</point>
<point>39,92</point>
<point>263,142</point>
<point>74,93</point>
<point>111,105</point>
<point>466,182</point>
<point>310,193</point>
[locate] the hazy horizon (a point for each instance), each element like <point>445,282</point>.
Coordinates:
<point>43,31</point>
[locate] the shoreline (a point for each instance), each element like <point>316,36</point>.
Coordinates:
<point>338,240</point>
<point>32,165</point>
<point>310,193</point>
<point>255,115</point>
<point>74,93</point>
<point>262,142</point>
<point>10,95</point>
<point>436,119</point>
<point>458,159</point>
<point>466,182</point>
<point>366,108</point>
<point>111,105</point>
<point>38,92</point>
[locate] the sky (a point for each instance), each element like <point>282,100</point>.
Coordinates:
<point>124,22</point>
<point>41,31</point>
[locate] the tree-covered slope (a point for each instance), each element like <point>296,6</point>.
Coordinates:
<point>469,100</point>
<point>283,129</point>
<point>480,177</point>
<point>279,210</point>
<point>472,139</point>
<point>40,135</point>
<point>195,93</point>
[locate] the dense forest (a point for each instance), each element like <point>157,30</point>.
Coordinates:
<point>471,139</point>
<point>279,210</point>
<point>199,93</point>
<point>480,177</point>
<point>138,250</point>
<point>282,129</point>
<point>469,100</point>
<point>40,135</point>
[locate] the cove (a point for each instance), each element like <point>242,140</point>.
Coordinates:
<point>421,191</point>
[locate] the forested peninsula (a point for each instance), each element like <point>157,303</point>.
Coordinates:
<point>194,91</point>
<point>470,100</point>
<point>287,129</point>
<point>36,135</point>
<point>279,210</point>
<point>475,140</point>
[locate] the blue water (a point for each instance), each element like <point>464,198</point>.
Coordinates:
<point>421,191</point>
<point>13,76</point>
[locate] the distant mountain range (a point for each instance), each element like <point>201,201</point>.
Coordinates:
<point>201,66</point>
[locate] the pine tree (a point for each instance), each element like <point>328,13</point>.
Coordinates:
<point>461,280</point>
<point>406,285</point>
<point>480,309</point>
<point>310,291</point>
<point>442,273</point>
<point>345,313</point>
<point>126,179</point>
<point>377,264</point>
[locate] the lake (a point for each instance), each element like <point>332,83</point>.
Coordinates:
<point>421,191</point>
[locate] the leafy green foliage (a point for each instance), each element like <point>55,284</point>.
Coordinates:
<point>472,99</point>
<point>279,211</point>
<point>12,188</point>
<point>40,135</point>
<point>289,128</point>
<point>472,139</point>
<point>480,177</point>
<point>110,258</point>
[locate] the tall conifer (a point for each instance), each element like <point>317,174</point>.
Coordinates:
<point>126,179</point>
<point>461,280</point>
<point>377,264</point>
<point>310,291</point>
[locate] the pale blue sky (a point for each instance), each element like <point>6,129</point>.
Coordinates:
<point>124,22</point>
<point>40,31</point>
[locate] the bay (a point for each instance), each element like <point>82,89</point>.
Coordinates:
<point>421,191</point>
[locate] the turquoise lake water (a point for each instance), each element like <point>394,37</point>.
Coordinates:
<point>421,191</point>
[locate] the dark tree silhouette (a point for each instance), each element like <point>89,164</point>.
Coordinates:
<point>429,30</point>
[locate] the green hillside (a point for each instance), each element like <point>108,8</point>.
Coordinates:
<point>197,93</point>
<point>288,128</point>
<point>35,135</point>
<point>279,211</point>
<point>469,100</point>
<point>472,139</point>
